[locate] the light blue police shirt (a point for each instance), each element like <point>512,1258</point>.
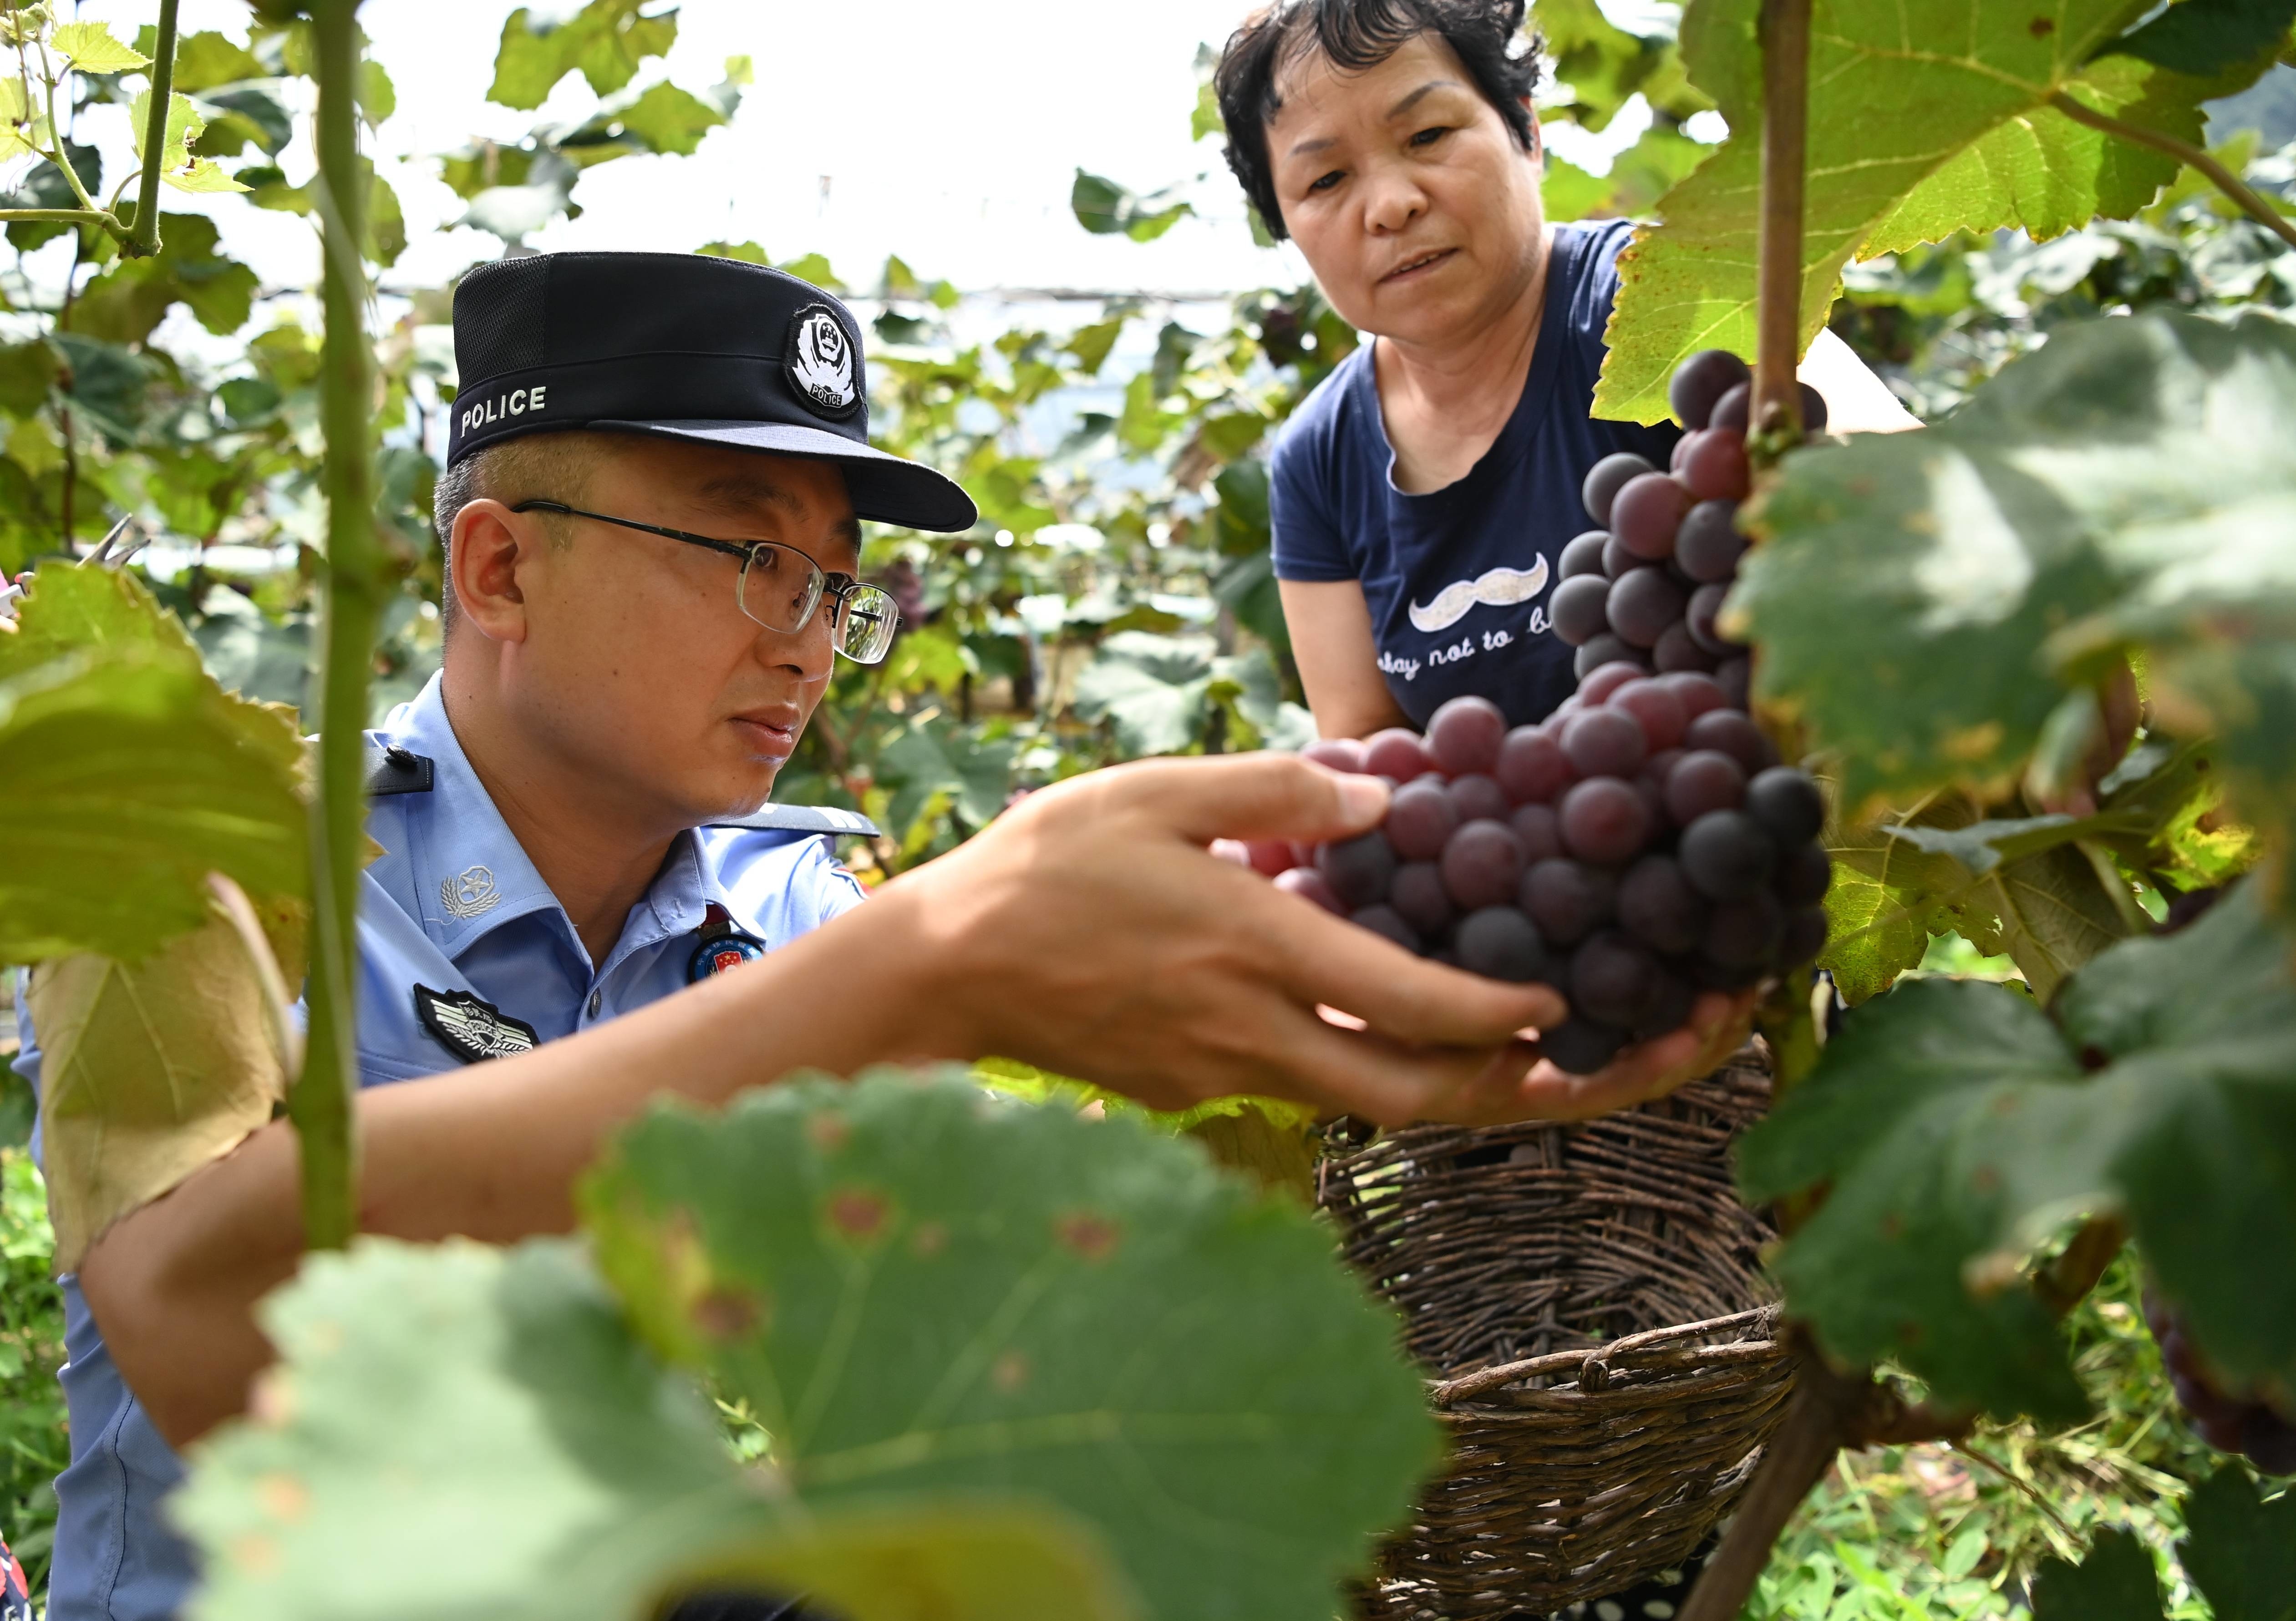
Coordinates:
<point>452,905</point>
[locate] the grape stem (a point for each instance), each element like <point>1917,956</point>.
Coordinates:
<point>2251,203</point>
<point>1776,414</point>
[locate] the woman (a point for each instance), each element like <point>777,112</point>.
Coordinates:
<point>1423,492</point>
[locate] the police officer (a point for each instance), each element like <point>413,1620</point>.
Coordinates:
<point>656,474</point>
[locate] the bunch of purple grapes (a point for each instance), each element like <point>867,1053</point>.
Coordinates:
<point>1644,587</point>
<point>2228,1422</point>
<point>1641,845</point>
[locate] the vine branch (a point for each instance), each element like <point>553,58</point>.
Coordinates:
<point>1785,141</point>
<point>143,238</point>
<point>2251,202</point>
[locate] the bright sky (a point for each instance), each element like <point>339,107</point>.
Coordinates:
<point>948,133</point>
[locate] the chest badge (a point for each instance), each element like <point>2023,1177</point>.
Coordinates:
<point>720,946</point>
<point>470,892</point>
<point>473,1030</point>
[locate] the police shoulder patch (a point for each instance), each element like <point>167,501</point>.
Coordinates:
<point>471,1028</point>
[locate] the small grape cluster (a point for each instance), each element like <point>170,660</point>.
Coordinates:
<point>2229,1422</point>
<point>1643,843</point>
<point>1646,586</point>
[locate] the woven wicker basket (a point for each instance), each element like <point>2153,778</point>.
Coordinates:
<point>1590,1300</point>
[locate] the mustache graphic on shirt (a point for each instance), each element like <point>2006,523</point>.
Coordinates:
<point>1497,588</point>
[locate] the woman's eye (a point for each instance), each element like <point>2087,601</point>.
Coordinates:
<point>1428,137</point>
<point>1324,182</point>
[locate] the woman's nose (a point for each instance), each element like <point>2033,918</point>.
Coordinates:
<point>1391,202</point>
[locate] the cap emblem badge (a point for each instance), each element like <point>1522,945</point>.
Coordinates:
<point>821,362</point>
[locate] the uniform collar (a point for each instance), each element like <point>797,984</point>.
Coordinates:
<point>470,875</point>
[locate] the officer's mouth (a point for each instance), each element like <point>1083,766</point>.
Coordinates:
<point>771,732</point>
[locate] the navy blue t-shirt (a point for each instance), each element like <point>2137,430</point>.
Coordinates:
<point>1458,579</point>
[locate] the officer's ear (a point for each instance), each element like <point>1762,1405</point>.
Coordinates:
<point>489,545</point>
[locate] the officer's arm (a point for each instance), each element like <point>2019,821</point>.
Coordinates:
<point>1086,931</point>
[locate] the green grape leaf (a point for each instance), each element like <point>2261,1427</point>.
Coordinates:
<point>69,611</point>
<point>490,1408</point>
<point>2115,1583</point>
<point>605,41</point>
<point>921,1289</point>
<point>2204,38</point>
<point>1926,118</point>
<point>93,50</point>
<point>129,300</point>
<point>1159,693</point>
<point>668,119</point>
<point>1924,601</point>
<point>939,757</point>
<point>151,1071</point>
<point>207,60</point>
<point>2241,1552</point>
<point>1956,1126</point>
<point>1106,208</point>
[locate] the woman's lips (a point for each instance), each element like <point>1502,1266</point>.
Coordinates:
<point>1420,266</point>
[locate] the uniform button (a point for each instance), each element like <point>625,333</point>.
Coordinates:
<point>594,998</point>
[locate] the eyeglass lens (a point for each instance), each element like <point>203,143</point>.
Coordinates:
<point>781,588</point>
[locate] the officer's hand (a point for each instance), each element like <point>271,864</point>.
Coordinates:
<point>1089,932</point>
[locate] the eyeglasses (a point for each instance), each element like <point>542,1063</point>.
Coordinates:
<point>779,587</point>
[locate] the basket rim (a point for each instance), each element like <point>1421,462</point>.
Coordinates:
<point>1764,1319</point>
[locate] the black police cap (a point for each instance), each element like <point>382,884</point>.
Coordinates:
<point>684,347</point>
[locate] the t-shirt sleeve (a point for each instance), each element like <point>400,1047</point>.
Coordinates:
<point>1308,544</point>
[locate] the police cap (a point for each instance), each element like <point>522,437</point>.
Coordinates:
<point>684,347</point>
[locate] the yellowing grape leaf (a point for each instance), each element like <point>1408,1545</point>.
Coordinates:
<point>922,1289</point>
<point>1926,116</point>
<point>490,1410</point>
<point>93,50</point>
<point>149,1072</point>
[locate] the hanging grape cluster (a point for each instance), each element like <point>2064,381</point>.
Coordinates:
<point>2227,1420</point>
<point>1642,844</point>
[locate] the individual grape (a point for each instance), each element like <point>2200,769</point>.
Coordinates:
<point>1359,869</point>
<point>1606,479</point>
<point>1726,854</point>
<point>1705,606</point>
<point>1540,831</point>
<point>1735,676</point>
<point>1605,821</point>
<point>1578,608</point>
<point>1597,689</point>
<point>1698,692</point>
<point>1604,742</point>
<point>1479,799</point>
<point>1658,906</point>
<point>1672,998</point>
<point>1499,943</point>
<point>1656,708</point>
<point>1735,408</point>
<point>1734,735</point>
<point>1647,514</point>
<point>1580,1046</point>
<point>1606,649</point>
<point>1708,546</point>
<point>1419,898</point>
<point>1674,457</point>
<point>2187,908</point>
<point>1612,980</point>
<point>1532,766</point>
<point>1482,865</point>
<point>1642,605</point>
<point>2269,1441</point>
<point>1744,933</point>
<point>1567,901</point>
<point>1651,781</point>
<point>1788,805</point>
<point>1714,466</point>
<point>1703,779</point>
<point>1309,884</point>
<point>1421,819</point>
<point>1803,939</point>
<point>1272,857</point>
<point>1398,753</point>
<point>1675,653</point>
<point>1340,753</point>
<point>1714,977</point>
<point>1804,876</point>
<point>1617,562</point>
<point>1700,381</point>
<point>1583,555</point>
<point>1384,920</point>
<point>1465,735</point>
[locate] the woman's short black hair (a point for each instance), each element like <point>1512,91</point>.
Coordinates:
<point>1485,36</point>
